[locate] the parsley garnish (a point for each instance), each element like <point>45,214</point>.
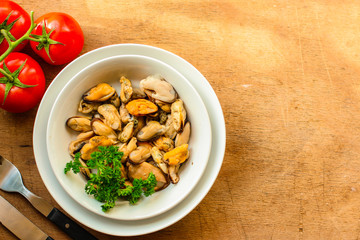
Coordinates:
<point>74,165</point>
<point>107,184</point>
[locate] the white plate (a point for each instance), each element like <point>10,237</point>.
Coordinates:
<point>137,227</point>
<point>136,68</point>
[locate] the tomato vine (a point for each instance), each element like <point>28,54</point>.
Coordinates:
<point>14,44</point>
<point>42,39</point>
<point>11,78</point>
<point>56,37</point>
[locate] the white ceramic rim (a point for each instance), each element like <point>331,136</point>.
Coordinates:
<point>126,228</point>
<point>93,205</point>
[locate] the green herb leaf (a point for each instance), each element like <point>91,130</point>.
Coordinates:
<point>107,185</point>
<point>149,184</point>
<point>73,165</point>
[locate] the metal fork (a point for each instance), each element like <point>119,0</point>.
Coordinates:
<point>11,181</point>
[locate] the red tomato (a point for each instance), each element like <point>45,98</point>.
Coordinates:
<point>19,28</point>
<point>22,99</point>
<point>66,30</point>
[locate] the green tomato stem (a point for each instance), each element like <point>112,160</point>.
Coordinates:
<point>6,35</point>
<point>3,72</point>
<point>14,44</point>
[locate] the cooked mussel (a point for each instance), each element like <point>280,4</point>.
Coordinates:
<point>158,88</point>
<point>127,132</point>
<point>139,155</point>
<point>99,93</point>
<point>126,89</point>
<point>79,123</point>
<point>84,170</point>
<point>164,143</point>
<point>178,114</point>
<point>127,148</point>
<point>93,145</point>
<point>140,123</point>
<point>85,107</point>
<point>138,93</point>
<point>170,129</point>
<point>142,171</point>
<point>178,155</point>
<point>100,128</point>
<point>111,116</point>
<point>173,173</point>
<point>141,107</point>
<point>184,136</point>
<point>159,159</point>
<point>76,145</point>
<point>124,114</point>
<point>166,107</point>
<point>115,100</point>
<point>151,130</point>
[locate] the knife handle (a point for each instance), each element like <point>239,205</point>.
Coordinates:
<point>70,227</point>
<point>49,238</point>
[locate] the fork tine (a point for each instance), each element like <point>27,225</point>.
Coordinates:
<point>10,176</point>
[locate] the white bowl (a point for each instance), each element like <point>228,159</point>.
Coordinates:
<point>134,67</point>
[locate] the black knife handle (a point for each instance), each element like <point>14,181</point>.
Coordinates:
<point>71,228</point>
<point>49,238</point>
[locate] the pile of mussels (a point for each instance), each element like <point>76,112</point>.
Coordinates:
<point>147,123</point>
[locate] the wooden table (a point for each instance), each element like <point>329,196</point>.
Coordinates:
<point>286,75</point>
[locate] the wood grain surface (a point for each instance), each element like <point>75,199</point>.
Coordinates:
<point>287,76</point>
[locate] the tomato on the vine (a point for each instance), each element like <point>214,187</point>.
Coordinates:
<point>63,40</point>
<point>14,19</point>
<point>24,85</point>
